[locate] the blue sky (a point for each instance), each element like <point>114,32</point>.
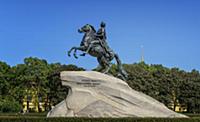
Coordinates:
<point>169,30</point>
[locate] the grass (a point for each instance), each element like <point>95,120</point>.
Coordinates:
<point>41,117</point>
<point>44,119</point>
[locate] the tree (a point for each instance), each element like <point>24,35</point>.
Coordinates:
<point>190,93</point>
<point>4,78</point>
<point>36,75</point>
<point>8,104</point>
<point>31,77</point>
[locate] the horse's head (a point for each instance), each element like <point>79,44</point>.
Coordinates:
<point>86,29</point>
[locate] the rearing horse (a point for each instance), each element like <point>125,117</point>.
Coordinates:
<point>93,46</point>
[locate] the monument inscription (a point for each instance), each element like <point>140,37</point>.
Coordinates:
<point>89,82</point>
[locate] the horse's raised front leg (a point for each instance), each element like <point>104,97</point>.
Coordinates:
<point>69,52</point>
<point>75,56</point>
<point>81,48</point>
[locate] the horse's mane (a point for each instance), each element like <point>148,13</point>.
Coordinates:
<point>92,28</point>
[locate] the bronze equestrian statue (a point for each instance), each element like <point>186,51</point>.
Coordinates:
<point>94,43</point>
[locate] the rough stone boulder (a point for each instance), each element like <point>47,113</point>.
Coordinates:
<point>93,94</point>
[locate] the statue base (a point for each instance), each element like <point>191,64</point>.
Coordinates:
<point>93,94</point>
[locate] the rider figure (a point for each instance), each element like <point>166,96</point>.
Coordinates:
<point>101,35</point>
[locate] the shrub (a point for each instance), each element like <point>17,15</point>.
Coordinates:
<point>9,105</point>
<point>60,119</point>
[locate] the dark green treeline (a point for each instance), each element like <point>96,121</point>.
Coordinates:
<point>168,85</point>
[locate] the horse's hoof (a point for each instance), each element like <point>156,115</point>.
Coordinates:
<point>75,57</point>
<point>82,54</point>
<point>68,54</point>
<point>105,72</point>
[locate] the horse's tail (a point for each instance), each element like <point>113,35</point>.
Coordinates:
<point>122,72</point>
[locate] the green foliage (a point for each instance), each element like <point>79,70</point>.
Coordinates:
<point>4,78</point>
<point>169,86</point>
<point>9,105</point>
<point>190,92</point>
<point>41,117</point>
<point>35,119</point>
<point>34,75</point>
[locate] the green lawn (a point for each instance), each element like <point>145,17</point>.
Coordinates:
<point>41,117</point>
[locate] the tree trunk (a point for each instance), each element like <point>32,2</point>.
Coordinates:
<point>27,103</point>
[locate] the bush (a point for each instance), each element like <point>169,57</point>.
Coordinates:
<point>60,119</point>
<point>9,105</point>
